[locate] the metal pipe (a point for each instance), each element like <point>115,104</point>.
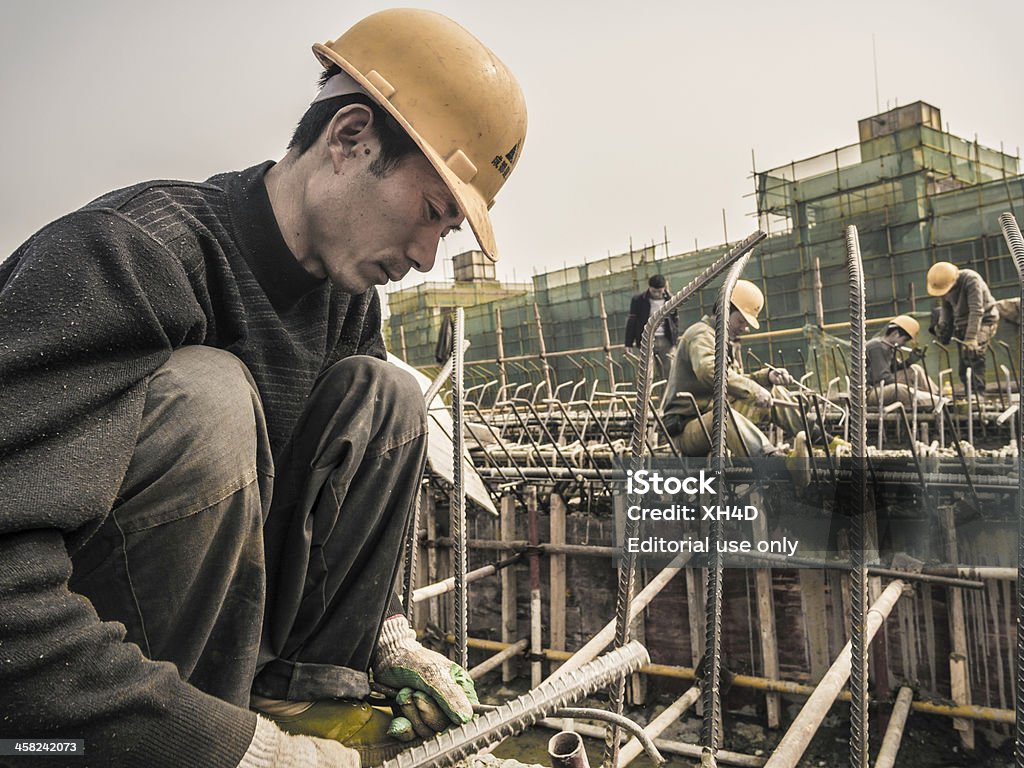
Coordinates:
<point>450,746</point>
<point>769,685</point>
<point>671,747</point>
<point>793,744</point>
<point>894,733</point>
<point>458,494</point>
<point>566,751</point>
<point>1015,242</point>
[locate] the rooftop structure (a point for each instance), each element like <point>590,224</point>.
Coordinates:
<point>917,194</point>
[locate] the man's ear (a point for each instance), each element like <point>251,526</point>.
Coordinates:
<point>351,126</point>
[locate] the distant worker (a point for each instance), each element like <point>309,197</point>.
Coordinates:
<point>968,313</point>
<point>750,400</point>
<point>642,306</point>
<point>1009,310</point>
<point>893,376</point>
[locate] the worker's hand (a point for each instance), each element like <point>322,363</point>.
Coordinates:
<point>272,746</point>
<point>780,376</point>
<point>971,347</point>
<point>762,398</point>
<point>916,355</point>
<point>435,692</point>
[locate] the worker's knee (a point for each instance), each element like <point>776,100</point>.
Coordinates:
<point>203,420</point>
<point>383,391</point>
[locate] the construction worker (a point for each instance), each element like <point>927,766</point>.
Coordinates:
<point>641,308</point>
<point>892,375</point>
<point>968,313</point>
<point>207,467</point>
<point>751,397</point>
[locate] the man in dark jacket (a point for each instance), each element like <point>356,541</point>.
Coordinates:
<point>205,480</point>
<point>968,312</point>
<point>641,307</point>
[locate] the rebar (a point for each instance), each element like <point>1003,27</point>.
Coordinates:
<point>450,746</point>
<point>711,730</point>
<point>460,560</point>
<point>858,433</point>
<point>1015,242</point>
<point>627,568</point>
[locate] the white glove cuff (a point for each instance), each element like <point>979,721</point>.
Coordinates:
<point>395,635</point>
<point>273,748</point>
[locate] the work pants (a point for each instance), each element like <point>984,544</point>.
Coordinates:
<point>743,438</point>
<point>664,351</point>
<point>911,384</point>
<point>243,590</point>
<point>975,361</point>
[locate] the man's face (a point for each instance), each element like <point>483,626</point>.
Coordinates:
<point>368,230</point>
<point>655,293</point>
<point>738,324</point>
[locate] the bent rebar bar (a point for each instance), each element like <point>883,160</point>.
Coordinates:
<point>627,569</point>
<point>858,439</point>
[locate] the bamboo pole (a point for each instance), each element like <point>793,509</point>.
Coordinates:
<point>894,733</point>
<point>430,522</point>
<point>657,726</point>
<point>812,599</point>
<point>509,586</point>
<point>766,626</point>
<point>959,675</point>
<point>557,574</point>
<point>543,348</point>
<point>499,659</point>
<point>500,356</point>
<point>601,640</point>
<point>536,618</point>
<point>607,339</point>
<point>789,751</point>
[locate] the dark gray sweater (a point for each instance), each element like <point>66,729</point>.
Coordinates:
<point>89,307</point>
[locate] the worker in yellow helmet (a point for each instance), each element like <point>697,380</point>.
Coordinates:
<point>893,371</point>
<point>751,397</point>
<point>968,313</point>
<point>207,464</point>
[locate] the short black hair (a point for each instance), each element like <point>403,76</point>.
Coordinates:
<point>898,328</point>
<point>656,281</point>
<point>395,143</point>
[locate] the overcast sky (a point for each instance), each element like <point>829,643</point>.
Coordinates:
<point>643,115</point>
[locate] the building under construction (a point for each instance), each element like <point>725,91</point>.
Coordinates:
<point>913,615</point>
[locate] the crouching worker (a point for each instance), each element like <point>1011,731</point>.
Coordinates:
<point>751,397</point>
<point>893,376</point>
<point>207,466</point>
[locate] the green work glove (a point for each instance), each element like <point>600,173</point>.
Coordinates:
<point>435,692</point>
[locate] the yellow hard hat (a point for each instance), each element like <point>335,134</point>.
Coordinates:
<point>749,300</point>
<point>908,324</point>
<point>449,92</point>
<point>941,277</point>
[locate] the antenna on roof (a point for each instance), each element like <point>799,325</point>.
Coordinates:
<point>874,57</point>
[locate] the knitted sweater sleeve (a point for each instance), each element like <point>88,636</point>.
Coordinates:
<point>89,307</point>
